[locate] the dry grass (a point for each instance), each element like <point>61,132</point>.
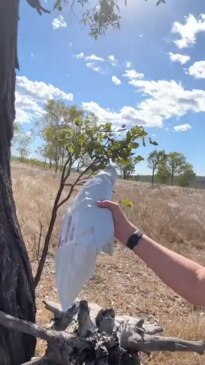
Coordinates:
<point>171,215</point>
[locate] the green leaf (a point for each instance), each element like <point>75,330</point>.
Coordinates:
<point>139,159</point>
<point>126,203</point>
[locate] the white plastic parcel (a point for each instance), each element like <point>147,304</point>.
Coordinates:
<point>86,231</point>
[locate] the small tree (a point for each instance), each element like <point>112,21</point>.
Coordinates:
<point>187,177</point>
<point>163,173</point>
<point>154,159</point>
<point>126,168</point>
<point>23,142</point>
<point>83,138</point>
<point>175,163</point>
<point>57,117</point>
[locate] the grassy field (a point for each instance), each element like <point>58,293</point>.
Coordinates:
<point>173,216</point>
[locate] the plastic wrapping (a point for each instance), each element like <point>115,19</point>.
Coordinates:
<point>86,231</point>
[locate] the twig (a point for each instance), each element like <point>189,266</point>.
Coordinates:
<point>43,361</point>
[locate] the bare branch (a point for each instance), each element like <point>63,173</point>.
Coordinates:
<point>38,361</point>
<point>39,239</point>
<point>65,174</point>
<point>32,329</point>
<point>62,320</point>
<point>142,342</point>
<point>89,339</point>
<point>85,325</point>
<point>75,183</point>
<point>54,308</point>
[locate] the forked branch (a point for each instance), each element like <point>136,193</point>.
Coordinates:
<point>98,335</point>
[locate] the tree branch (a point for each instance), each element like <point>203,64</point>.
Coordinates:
<point>43,361</point>
<point>74,184</point>
<point>37,6</point>
<point>142,342</point>
<point>89,338</point>
<point>32,329</point>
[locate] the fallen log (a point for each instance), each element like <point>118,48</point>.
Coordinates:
<point>90,335</point>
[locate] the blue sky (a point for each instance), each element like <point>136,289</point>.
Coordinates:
<point>151,72</point>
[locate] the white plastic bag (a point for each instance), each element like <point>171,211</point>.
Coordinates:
<point>86,231</point>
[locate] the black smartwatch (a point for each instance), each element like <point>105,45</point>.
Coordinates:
<point>134,239</point>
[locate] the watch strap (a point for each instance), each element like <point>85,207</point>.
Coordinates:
<point>134,239</point>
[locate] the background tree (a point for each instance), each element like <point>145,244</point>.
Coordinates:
<point>163,173</point>
<point>126,168</point>
<point>16,283</point>
<point>175,163</point>
<point>187,177</point>
<point>23,141</point>
<point>52,128</point>
<point>154,158</point>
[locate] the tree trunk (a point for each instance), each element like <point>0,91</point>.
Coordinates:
<point>16,284</point>
<point>153,171</point>
<point>56,166</point>
<point>172,178</point>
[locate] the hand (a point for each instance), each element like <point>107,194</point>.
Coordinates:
<point>123,228</point>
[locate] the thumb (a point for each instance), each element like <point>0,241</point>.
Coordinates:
<point>106,204</point>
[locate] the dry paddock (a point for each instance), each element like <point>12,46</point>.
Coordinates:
<point>173,216</point>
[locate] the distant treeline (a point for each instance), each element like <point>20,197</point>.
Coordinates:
<point>199,181</point>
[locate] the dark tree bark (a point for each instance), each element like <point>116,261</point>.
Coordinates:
<point>16,284</point>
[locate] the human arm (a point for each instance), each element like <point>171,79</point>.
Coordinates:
<point>185,277</point>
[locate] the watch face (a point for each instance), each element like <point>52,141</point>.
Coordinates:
<point>134,239</point>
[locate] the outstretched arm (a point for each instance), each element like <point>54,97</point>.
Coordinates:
<point>185,277</point>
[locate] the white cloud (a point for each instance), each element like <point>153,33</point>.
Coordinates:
<point>89,58</point>
<point>128,64</point>
<point>31,96</point>
<point>112,60</point>
<point>79,55</point>
<point>126,115</point>
<point>163,100</point>
<point>176,57</point>
<point>182,127</point>
<point>116,81</point>
<point>59,22</point>
<point>132,74</point>
<point>91,61</point>
<point>197,70</point>
<point>93,67</point>
<point>189,30</point>
<point>41,90</point>
<point>95,58</point>
<point>97,63</point>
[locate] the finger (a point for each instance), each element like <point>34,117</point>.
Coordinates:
<point>107,204</point>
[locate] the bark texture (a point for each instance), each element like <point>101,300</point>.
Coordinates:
<point>16,283</point>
